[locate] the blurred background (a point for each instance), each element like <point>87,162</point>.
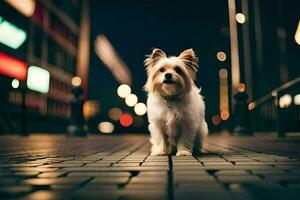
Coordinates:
<point>49,46</point>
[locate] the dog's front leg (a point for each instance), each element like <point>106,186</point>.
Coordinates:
<point>185,143</point>
<point>158,140</point>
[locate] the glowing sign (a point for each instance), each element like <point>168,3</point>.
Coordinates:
<point>11,35</point>
<point>26,7</point>
<point>13,67</point>
<point>38,79</point>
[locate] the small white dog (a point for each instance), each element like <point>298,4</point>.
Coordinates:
<point>176,110</point>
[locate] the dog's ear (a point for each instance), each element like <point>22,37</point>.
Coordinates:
<point>190,60</point>
<point>152,58</point>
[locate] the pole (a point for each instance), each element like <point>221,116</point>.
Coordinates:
<point>235,65</point>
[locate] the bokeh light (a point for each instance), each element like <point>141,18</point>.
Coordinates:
<point>240,18</point>
<point>15,83</point>
<point>131,100</point>
<point>241,87</point>
<point>76,81</point>
<point>251,106</point>
<point>223,73</point>
<point>115,113</point>
<point>124,90</point>
<point>140,109</point>
<point>106,127</point>
<point>126,119</point>
<point>285,101</point>
<point>224,115</point>
<point>297,99</point>
<point>221,56</point>
<point>216,120</point>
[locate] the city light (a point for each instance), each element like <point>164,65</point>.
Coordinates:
<point>109,56</point>
<point>297,34</point>
<point>15,83</point>
<point>11,35</point>
<point>251,106</point>
<point>131,100</point>
<point>106,127</point>
<point>285,101</point>
<point>223,73</point>
<point>216,120</point>
<point>224,96</point>
<point>115,113</point>
<point>240,18</point>
<point>140,109</point>
<point>91,108</point>
<point>126,120</point>
<point>224,115</point>
<point>25,7</point>
<point>76,81</point>
<point>297,99</point>
<point>13,67</point>
<point>221,56</point>
<point>242,87</point>
<point>38,79</point>
<point>124,90</point>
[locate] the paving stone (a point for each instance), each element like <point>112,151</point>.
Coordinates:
<point>217,164</point>
<point>53,181</point>
<point>109,180</point>
<point>99,167</point>
<point>155,164</point>
<point>102,174</point>
<point>231,172</point>
<point>238,178</point>
<point>51,174</point>
<point>136,164</point>
<point>46,195</point>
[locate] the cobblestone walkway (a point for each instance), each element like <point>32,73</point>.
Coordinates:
<point>119,167</point>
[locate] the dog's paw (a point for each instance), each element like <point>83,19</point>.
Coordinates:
<point>158,153</point>
<point>184,153</point>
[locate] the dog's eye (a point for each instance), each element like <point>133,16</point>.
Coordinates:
<point>162,69</point>
<point>178,70</point>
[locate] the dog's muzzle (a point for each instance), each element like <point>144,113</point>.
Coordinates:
<point>168,79</point>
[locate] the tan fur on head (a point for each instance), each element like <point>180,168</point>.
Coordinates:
<point>182,68</point>
<point>191,61</point>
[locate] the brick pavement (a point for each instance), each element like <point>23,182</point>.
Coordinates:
<point>119,167</point>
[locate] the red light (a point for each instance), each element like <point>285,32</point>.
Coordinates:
<point>13,67</point>
<point>126,120</point>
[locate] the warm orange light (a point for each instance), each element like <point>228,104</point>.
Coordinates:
<point>224,115</point>
<point>91,108</point>
<point>242,87</point>
<point>76,81</point>
<point>26,7</point>
<point>115,113</point>
<point>251,106</point>
<point>297,34</point>
<point>221,56</point>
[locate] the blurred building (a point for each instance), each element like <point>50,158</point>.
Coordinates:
<point>56,32</point>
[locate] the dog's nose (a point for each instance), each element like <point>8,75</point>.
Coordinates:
<point>168,75</point>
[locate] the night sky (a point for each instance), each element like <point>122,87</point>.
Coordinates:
<point>134,27</point>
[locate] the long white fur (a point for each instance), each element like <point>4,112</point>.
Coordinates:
<point>179,123</point>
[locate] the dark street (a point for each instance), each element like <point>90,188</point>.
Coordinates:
<point>119,167</point>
